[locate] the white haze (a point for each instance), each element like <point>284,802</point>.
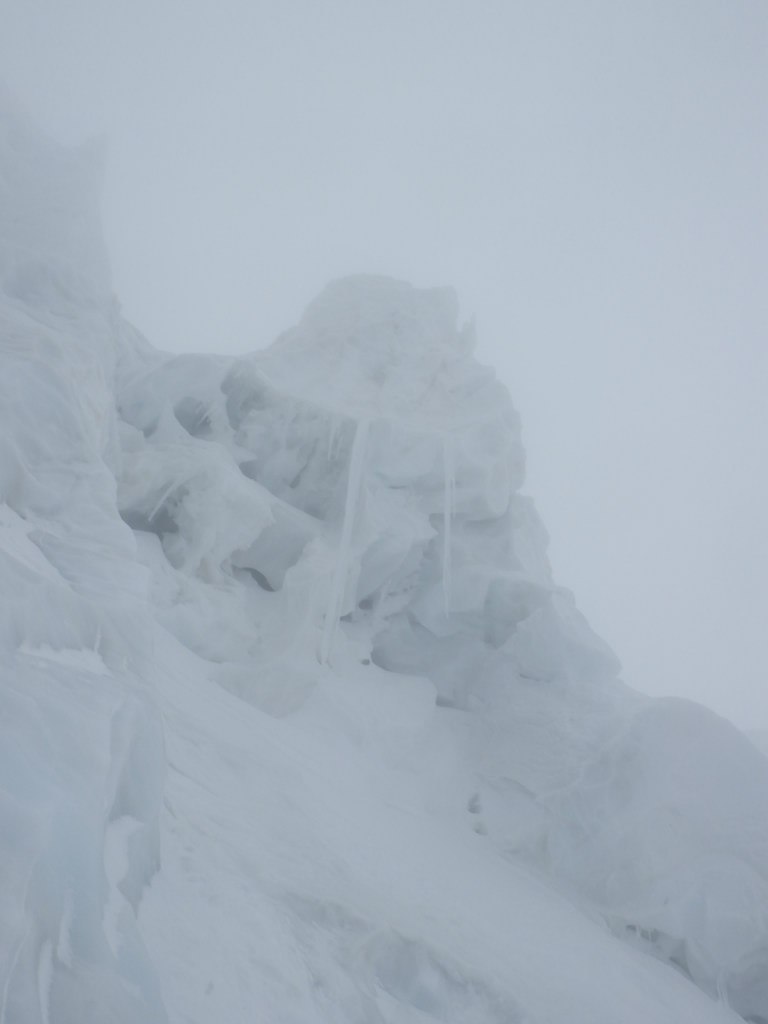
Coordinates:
<point>590,176</point>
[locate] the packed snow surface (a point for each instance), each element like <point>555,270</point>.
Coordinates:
<point>295,725</point>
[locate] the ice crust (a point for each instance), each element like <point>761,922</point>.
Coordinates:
<point>295,725</point>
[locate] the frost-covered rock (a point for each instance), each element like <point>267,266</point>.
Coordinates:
<point>672,842</point>
<point>390,462</point>
<point>398,778</point>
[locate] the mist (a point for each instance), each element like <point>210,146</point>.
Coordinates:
<point>590,177</point>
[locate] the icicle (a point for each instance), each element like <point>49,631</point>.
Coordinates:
<point>163,498</point>
<point>333,437</point>
<point>449,505</point>
<point>339,583</point>
<point>722,990</point>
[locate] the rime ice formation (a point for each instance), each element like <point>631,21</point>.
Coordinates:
<point>294,724</point>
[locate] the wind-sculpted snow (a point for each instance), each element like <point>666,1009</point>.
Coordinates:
<point>81,747</point>
<point>397,777</point>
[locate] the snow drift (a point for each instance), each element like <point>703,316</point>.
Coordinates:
<point>296,725</point>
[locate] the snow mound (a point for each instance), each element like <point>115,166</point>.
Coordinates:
<point>672,843</point>
<point>294,720</point>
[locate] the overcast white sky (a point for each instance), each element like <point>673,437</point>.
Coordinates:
<point>592,177</point>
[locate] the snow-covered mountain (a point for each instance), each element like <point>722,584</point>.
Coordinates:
<point>295,726</point>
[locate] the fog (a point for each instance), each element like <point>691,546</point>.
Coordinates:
<point>590,176</point>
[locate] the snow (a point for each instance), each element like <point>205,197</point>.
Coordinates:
<point>295,725</point>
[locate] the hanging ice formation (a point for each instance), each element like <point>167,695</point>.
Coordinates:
<point>343,555</point>
<point>334,430</point>
<point>449,507</point>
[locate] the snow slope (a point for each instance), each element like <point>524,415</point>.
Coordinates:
<point>295,725</point>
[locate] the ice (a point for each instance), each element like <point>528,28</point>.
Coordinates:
<point>295,724</point>
<point>449,507</point>
<point>356,475</point>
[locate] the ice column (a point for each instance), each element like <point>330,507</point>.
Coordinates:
<point>449,505</point>
<point>341,570</point>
